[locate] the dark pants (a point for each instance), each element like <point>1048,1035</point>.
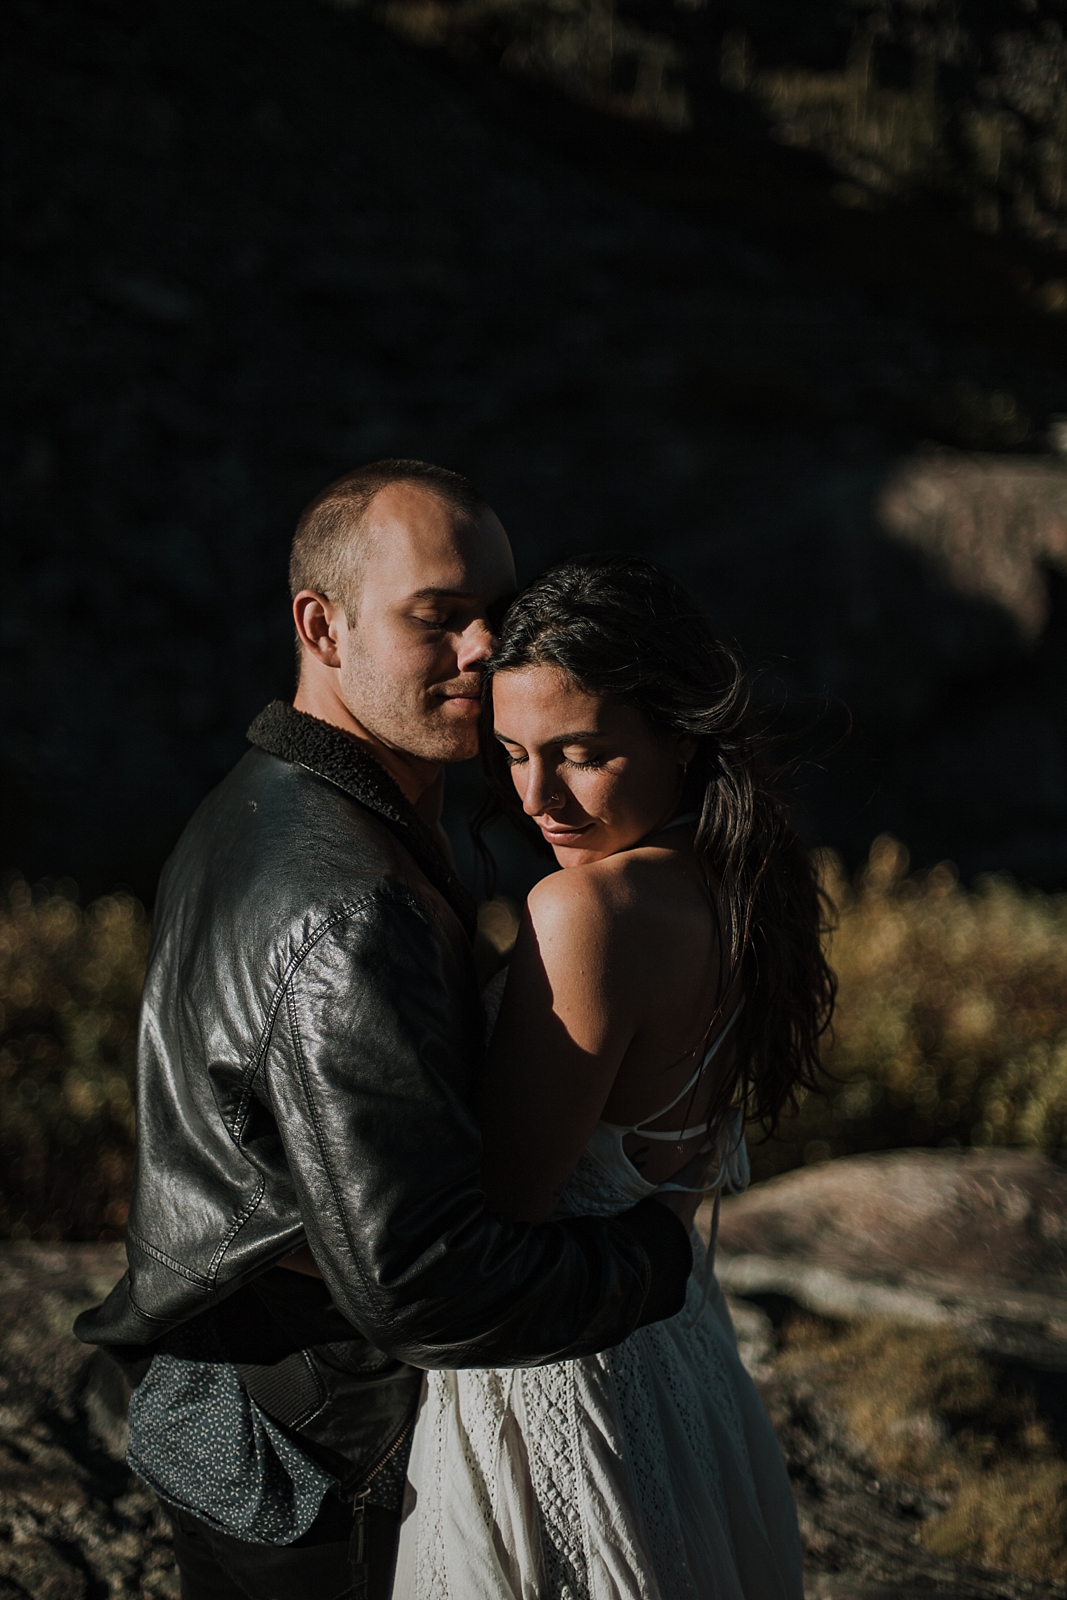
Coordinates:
<point>321,1565</point>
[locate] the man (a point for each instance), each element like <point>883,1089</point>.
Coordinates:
<point>307,1228</point>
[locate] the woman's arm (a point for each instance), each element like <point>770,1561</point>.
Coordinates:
<point>568,1017</point>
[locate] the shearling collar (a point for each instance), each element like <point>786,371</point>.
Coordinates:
<point>294,736</point>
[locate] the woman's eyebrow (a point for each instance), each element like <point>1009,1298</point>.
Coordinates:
<point>559,738</point>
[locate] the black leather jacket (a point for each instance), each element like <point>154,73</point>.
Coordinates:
<point>310,1033</point>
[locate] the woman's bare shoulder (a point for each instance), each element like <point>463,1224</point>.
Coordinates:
<point>593,911</point>
<point>636,899</point>
<point>597,888</point>
<point>571,936</point>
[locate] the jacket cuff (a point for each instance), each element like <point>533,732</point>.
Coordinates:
<point>665,1241</point>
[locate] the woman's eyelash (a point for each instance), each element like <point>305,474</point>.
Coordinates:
<point>596,761</point>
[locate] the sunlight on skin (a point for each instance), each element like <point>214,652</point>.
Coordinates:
<point>403,675</point>
<point>607,1000</point>
<point>590,771</point>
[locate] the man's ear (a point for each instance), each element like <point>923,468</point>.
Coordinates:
<point>319,625</point>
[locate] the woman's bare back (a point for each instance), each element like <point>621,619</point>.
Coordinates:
<point>613,995</point>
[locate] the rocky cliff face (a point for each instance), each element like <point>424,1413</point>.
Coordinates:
<point>965,100</point>
<point>256,244</point>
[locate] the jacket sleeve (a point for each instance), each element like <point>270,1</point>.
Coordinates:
<point>367,1075</point>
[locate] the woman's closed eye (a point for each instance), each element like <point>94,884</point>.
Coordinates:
<point>518,759</point>
<point>584,766</point>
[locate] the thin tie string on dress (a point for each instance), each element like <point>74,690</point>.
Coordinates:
<point>677,1135</point>
<point>729,1172</point>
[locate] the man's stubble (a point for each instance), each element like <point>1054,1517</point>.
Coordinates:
<point>403,713</point>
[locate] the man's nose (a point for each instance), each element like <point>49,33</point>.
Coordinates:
<point>477,643</point>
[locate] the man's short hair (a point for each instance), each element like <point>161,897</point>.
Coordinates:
<point>325,554</point>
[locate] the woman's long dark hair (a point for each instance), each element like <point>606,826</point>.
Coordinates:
<point>622,626</point>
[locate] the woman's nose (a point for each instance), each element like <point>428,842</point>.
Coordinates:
<point>541,791</point>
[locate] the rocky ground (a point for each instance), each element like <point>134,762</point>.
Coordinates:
<point>74,1522</point>
<point>922,1400</point>
<point>75,1525</point>
<point>251,245</point>
<point>861,1526</point>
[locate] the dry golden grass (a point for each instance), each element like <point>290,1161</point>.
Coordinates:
<point>69,986</point>
<point>951,1028</point>
<point>931,1410</point>
<point>1012,1517</point>
<point>951,1025</point>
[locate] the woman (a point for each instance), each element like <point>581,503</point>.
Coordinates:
<point>666,987</point>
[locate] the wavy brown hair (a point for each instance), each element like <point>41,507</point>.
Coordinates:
<point>622,626</point>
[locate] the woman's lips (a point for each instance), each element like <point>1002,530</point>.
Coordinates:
<point>561,835</point>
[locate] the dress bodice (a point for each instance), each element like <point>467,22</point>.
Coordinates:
<point>605,1180</point>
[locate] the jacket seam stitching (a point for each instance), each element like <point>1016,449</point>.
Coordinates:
<point>148,1316</point>
<point>282,993</point>
<point>234,1229</point>
<point>320,1387</point>
<point>327,1165</point>
<point>168,1261</point>
<point>256,1060</point>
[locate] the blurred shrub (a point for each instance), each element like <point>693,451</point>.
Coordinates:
<point>930,1409</point>
<point>69,986</point>
<point>951,1025</point>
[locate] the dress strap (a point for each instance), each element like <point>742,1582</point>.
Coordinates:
<point>731,1169</point>
<point>690,1083</point>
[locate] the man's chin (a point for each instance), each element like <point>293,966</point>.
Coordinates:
<point>465,748</point>
<point>453,732</point>
<point>457,743</point>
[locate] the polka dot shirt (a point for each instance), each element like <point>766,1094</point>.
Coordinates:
<point>204,1446</point>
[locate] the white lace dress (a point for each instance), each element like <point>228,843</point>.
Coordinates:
<point>647,1472</point>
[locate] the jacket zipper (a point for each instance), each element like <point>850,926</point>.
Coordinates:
<point>363,1488</point>
<point>357,1541</point>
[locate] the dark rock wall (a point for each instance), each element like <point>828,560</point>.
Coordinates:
<point>965,100</point>
<point>960,98</point>
<point>252,245</point>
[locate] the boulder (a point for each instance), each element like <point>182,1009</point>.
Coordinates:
<point>972,1239</point>
<point>991,524</point>
<point>895,1309</point>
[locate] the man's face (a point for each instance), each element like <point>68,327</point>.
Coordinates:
<point>431,581</point>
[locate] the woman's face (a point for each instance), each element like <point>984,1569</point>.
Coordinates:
<point>590,771</point>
